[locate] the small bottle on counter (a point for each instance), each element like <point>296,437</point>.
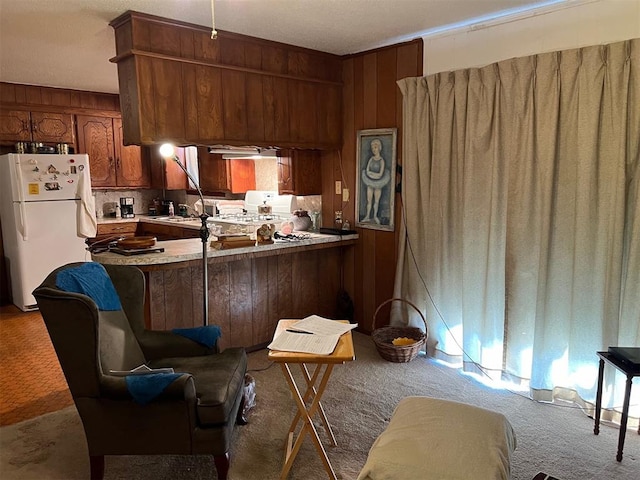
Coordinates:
<point>117,214</point>
<point>172,211</point>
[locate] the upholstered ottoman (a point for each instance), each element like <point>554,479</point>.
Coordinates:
<point>428,438</point>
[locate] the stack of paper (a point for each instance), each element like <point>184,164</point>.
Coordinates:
<point>313,334</point>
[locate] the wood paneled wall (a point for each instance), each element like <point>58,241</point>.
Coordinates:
<point>371,99</point>
<point>38,98</point>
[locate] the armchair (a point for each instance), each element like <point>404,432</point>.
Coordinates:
<point>195,414</point>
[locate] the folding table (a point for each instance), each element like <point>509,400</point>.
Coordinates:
<point>307,396</point>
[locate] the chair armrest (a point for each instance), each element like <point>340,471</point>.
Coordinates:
<point>162,344</point>
<point>182,388</point>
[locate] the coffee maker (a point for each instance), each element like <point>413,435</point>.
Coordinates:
<point>126,207</point>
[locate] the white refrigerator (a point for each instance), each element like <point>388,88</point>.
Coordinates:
<point>46,210</point>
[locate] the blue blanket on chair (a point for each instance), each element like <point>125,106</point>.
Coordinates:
<point>207,336</point>
<point>144,388</point>
<point>90,279</point>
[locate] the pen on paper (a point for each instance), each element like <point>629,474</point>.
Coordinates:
<point>299,331</point>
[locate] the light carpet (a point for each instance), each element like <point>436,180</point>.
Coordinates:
<point>359,401</point>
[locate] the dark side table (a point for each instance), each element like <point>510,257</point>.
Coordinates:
<point>630,370</point>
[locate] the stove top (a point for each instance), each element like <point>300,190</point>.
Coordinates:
<point>244,218</point>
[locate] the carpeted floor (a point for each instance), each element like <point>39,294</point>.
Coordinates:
<point>359,400</point>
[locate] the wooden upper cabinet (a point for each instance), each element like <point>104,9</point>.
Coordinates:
<point>111,163</point>
<point>95,138</point>
<point>165,173</point>
<point>225,175</point>
<point>178,85</point>
<point>45,127</point>
<point>242,172</point>
<point>212,172</point>
<point>299,172</point>
<point>52,127</point>
<point>15,126</point>
<point>132,169</point>
<point>175,178</point>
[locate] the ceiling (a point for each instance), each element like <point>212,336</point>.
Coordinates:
<point>68,43</point>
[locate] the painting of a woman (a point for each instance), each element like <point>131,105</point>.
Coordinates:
<point>376,165</point>
<point>375,176</point>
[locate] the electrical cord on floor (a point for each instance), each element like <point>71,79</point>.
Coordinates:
<point>271,364</point>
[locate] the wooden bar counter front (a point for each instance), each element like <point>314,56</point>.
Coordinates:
<point>250,288</point>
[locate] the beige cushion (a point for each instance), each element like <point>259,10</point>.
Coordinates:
<point>428,438</point>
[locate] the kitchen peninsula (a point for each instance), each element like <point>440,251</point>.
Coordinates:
<point>250,288</point>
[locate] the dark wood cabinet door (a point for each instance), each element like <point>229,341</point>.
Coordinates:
<point>243,174</point>
<point>212,170</point>
<point>299,172</point>
<point>52,127</point>
<point>225,175</point>
<point>234,104</point>
<point>175,178</point>
<point>15,126</point>
<point>329,114</point>
<point>165,173</point>
<point>303,126</point>
<point>45,127</point>
<point>202,102</point>
<point>285,174</point>
<point>95,138</point>
<point>132,169</point>
<point>168,99</point>
<point>276,109</point>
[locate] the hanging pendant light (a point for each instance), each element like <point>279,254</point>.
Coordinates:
<point>214,32</point>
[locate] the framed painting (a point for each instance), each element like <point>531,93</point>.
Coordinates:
<point>375,185</point>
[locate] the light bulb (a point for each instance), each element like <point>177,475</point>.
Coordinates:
<point>167,150</point>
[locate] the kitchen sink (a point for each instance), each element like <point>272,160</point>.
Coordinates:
<point>177,219</point>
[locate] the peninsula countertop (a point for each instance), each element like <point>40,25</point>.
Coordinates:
<point>185,222</point>
<point>176,251</point>
<point>188,222</point>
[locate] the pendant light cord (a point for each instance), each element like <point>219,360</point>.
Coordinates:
<point>214,32</point>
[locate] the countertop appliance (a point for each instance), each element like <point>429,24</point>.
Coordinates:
<point>281,208</point>
<point>281,205</point>
<point>47,210</point>
<point>126,207</point>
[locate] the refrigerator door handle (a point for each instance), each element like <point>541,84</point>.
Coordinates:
<point>23,220</point>
<point>21,202</point>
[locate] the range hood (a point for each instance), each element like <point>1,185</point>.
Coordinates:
<point>242,152</point>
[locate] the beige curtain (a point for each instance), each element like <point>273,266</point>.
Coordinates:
<point>521,202</point>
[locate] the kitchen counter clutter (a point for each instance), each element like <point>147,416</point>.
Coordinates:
<point>187,222</point>
<point>176,228</point>
<point>176,251</point>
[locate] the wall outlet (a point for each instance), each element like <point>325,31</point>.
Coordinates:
<point>338,187</point>
<point>338,216</point>
<point>345,195</point>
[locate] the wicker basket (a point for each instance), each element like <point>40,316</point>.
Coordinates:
<point>383,337</point>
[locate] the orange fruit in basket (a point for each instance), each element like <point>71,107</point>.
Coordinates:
<point>403,341</point>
